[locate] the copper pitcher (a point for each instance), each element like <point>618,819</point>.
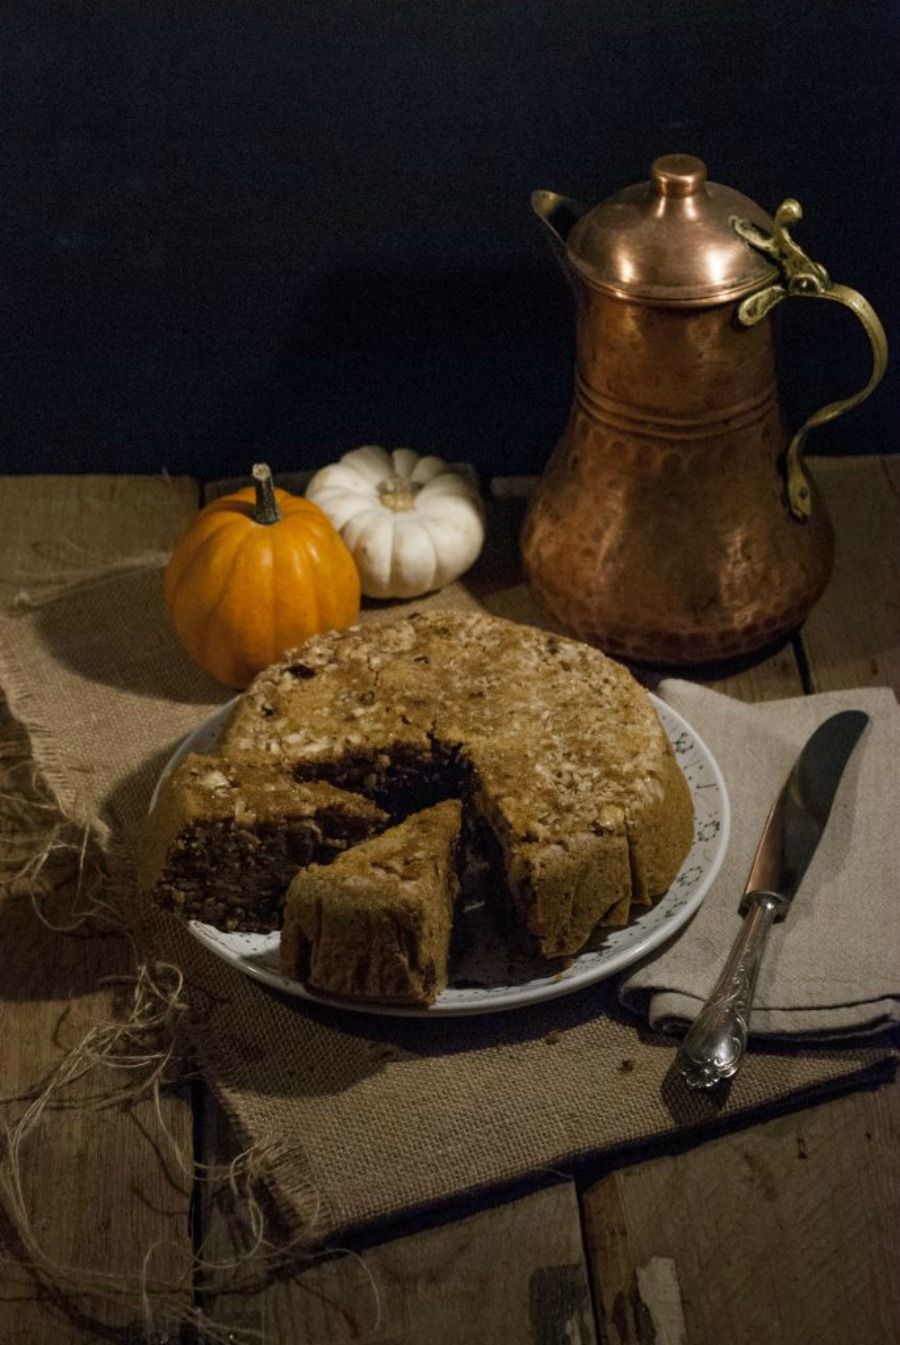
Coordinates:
<point>675,522</point>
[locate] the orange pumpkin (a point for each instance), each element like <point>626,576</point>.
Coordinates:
<point>256,573</point>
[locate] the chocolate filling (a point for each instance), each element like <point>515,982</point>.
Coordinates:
<point>403,781</point>
<point>234,876</point>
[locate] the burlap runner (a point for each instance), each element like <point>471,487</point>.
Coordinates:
<point>357,1118</point>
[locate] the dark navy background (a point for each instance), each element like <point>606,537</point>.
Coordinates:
<point>244,228</point>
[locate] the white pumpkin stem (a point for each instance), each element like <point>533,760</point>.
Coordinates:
<point>397,493</point>
<point>266,510</point>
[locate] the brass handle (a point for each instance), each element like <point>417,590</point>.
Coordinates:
<point>803,278</point>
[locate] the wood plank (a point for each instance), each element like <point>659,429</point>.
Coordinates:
<point>515,1273</point>
<point>97,1181</point>
<point>852,636</point>
<point>774,676</point>
<point>786,1232</point>
<point>322,1298</point>
<point>891,467</point>
<point>119,1197</point>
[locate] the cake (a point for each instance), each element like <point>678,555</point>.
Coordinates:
<point>376,923</point>
<point>227,836</point>
<point>555,749</point>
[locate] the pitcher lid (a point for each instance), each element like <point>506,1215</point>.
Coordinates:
<point>671,240</point>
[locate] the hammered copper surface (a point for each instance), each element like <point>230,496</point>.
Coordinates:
<point>660,529</point>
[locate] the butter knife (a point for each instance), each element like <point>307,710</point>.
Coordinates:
<point>714,1045</point>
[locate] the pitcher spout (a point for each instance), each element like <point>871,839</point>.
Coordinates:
<point>557,214</point>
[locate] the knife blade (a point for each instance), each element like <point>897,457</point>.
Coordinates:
<point>715,1044</point>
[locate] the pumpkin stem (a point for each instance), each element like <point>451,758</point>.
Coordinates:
<point>397,493</point>
<point>266,510</point>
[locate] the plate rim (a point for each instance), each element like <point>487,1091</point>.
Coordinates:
<point>518,997</point>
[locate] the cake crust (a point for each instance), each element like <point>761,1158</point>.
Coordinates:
<point>376,923</point>
<point>557,747</point>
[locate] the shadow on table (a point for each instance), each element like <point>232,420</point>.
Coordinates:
<point>588,1170</point>
<point>118,632</point>
<point>61,950</point>
<point>52,967</point>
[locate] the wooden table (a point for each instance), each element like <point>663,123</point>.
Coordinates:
<point>785,1232</point>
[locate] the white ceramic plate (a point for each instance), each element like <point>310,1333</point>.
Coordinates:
<point>257,954</point>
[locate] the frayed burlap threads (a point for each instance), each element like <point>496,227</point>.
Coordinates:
<point>82,561</point>
<point>138,1054</point>
<point>77,884</point>
<point>143,1044</point>
<point>52,860</point>
<point>381,1116</point>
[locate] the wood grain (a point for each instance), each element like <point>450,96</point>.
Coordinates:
<point>99,1194</point>
<point>852,637</point>
<point>514,1274</point>
<point>784,1233</point>
<point>891,468</point>
<point>774,676</point>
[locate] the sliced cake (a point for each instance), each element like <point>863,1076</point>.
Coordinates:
<point>555,746</point>
<point>227,836</point>
<point>376,923</point>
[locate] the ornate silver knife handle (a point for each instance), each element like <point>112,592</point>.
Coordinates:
<point>715,1042</point>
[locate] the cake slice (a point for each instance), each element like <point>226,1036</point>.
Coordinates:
<point>227,836</point>
<point>376,923</point>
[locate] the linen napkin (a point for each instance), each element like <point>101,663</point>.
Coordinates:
<point>832,967</point>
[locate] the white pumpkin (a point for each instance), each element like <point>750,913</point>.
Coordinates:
<point>411,524</point>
